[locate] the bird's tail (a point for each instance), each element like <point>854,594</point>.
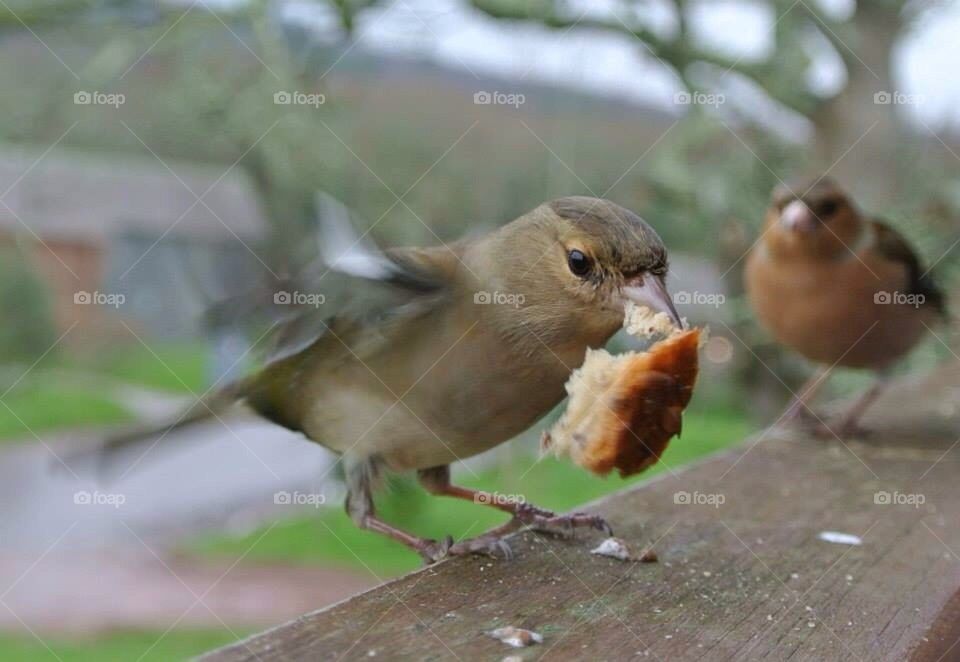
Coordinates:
<point>105,458</point>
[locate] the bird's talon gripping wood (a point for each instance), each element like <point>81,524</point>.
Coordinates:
<point>564,525</point>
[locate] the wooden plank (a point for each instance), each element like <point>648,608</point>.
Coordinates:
<point>748,578</point>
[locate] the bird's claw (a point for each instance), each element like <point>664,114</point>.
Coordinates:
<point>562,525</point>
<point>810,423</point>
<point>492,544</point>
<point>486,545</point>
<point>527,512</point>
<point>800,416</point>
<point>847,430</point>
<point>433,551</point>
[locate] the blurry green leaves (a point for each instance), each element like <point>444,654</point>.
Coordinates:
<point>28,328</point>
<point>17,13</point>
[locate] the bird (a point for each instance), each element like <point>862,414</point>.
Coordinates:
<point>438,353</point>
<point>841,289</point>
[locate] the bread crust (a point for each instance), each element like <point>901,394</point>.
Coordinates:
<point>624,409</point>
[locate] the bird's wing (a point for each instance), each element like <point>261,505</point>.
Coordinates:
<point>357,309</point>
<point>349,303</point>
<point>352,286</point>
<point>894,247</point>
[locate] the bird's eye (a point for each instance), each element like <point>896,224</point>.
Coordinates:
<point>578,262</point>
<point>827,208</point>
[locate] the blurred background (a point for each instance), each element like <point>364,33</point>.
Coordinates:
<point>156,155</point>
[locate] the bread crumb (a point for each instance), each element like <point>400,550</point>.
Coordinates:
<point>614,548</point>
<point>516,637</point>
<point>642,322</point>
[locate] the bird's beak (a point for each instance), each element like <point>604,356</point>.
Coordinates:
<point>651,292</point>
<point>797,216</point>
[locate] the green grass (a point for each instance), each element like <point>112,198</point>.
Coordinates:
<point>120,646</point>
<point>330,538</point>
<point>48,399</point>
<point>40,406</point>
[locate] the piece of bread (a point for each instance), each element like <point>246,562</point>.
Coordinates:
<point>623,409</point>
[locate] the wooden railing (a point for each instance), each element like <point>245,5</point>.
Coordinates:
<point>751,565</point>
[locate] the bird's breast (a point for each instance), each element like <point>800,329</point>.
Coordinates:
<point>444,398</point>
<point>833,311</point>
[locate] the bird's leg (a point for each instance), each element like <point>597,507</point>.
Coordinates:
<point>360,508</point>
<point>849,421</point>
<point>799,409</point>
<point>360,475</point>
<point>436,480</point>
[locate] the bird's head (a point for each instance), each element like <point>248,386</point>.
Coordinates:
<point>815,219</point>
<point>577,261</point>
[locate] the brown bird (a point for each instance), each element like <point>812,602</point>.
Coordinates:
<point>840,288</point>
<point>463,347</point>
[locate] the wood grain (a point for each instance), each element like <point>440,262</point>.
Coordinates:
<point>748,579</point>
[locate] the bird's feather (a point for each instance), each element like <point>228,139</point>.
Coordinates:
<point>352,284</point>
<point>893,246</point>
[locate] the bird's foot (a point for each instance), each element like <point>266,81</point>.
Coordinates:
<point>800,417</point>
<point>546,521</point>
<point>851,430</point>
<point>486,545</point>
<point>434,550</point>
<point>807,422</point>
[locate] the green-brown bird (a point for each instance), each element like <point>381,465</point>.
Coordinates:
<point>459,348</point>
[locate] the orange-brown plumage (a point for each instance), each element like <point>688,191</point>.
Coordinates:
<point>837,287</point>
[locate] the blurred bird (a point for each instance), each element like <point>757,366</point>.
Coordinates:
<point>840,288</point>
<point>437,354</point>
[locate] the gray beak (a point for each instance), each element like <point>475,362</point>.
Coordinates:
<point>651,292</point>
